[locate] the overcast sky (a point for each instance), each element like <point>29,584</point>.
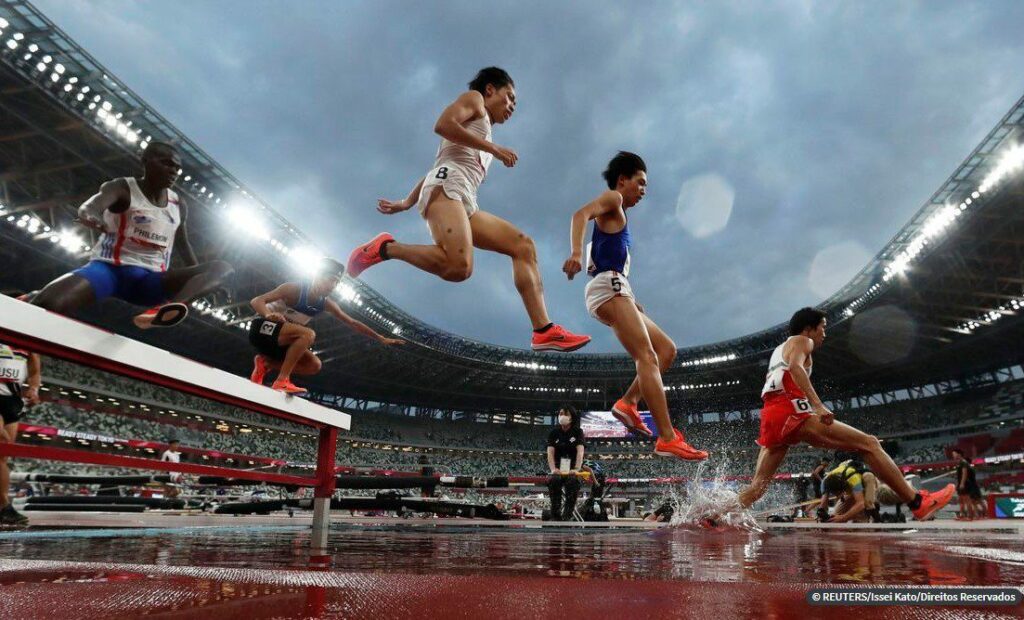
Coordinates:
<point>786,143</point>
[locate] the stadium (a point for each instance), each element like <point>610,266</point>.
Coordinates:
<point>924,351</point>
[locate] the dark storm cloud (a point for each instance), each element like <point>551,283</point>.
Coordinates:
<point>832,123</point>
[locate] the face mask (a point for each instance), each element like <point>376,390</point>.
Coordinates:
<point>564,420</point>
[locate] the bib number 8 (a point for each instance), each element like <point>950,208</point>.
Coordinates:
<point>442,173</point>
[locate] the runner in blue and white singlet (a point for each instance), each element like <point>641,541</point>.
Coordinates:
<point>610,300</point>
<point>281,335</point>
<point>608,266</point>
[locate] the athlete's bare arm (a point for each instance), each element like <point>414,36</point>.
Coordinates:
<point>608,202</point>
<point>335,310</point>
<point>796,353</point>
<point>287,292</point>
<point>853,511</point>
<point>113,195</point>
<point>470,106</point>
<point>390,207</point>
<point>181,236</point>
<point>35,379</point>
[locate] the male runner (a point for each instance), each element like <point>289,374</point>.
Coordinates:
<point>16,367</point>
<point>282,337</point>
<point>794,413</point>
<point>447,200</point>
<point>140,220</point>
<point>610,300</point>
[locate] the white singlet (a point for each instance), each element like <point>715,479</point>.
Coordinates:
<point>142,235</point>
<point>779,379</point>
<point>459,170</point>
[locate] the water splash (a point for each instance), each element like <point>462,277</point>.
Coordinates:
<point>708,496</point>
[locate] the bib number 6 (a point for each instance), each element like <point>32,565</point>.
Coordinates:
<point>801,405</point>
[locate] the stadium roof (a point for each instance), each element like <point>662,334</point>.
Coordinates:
<point>939,302</point>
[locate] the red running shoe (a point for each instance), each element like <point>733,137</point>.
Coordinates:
<point>557,338</point>
<point>932,501</point>
<point>288,387</point>
<point>629,415</point>
<point>678,447</point>
<point>367,255</point>
<point>259,370</point>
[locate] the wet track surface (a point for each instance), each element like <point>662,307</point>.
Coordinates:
<point>451,571</point>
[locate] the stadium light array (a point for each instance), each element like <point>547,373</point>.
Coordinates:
<point>700,386</point>
<point>525,388</point>
<point>1011,162</point>
<point>715,359</point>
<point>529,365</point>
<point>991,316</point>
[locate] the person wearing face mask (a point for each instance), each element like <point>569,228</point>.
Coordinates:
<point>566,445</point>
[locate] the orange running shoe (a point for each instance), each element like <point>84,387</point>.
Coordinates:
<point>630,417</point>
<point>167,315</point>
<point>288,387</point>
<point>932,501</point>
<point>367,255</point>
<point>259,370</point>
<point>678,447</point>
<point>557,338</point>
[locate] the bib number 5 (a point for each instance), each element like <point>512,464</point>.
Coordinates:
<point>616,285</point>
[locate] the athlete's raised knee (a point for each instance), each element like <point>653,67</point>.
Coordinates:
<point>646,356</point>
<point>525,249</point>
<point>870,443</point>
<point>667,355</point>
<point>457,271</point>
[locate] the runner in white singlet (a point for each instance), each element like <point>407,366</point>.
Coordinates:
<point>447,199</point>
<point>139,221</point>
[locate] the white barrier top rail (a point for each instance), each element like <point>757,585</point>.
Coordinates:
<point>45,332</point>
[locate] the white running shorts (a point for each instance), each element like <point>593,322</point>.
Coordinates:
<point>457,185</point>
<point>605,286</point>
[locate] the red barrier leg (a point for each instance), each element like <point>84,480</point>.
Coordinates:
<point>324,488</point>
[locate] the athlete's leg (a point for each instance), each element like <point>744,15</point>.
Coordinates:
<point>298,339</point>
<point>626,321</point>
<point>768,462</point>
<point>666,350</point>
<point>839,436</point>
<point>66,295</point>
<point>8,433</point>
<point>451,256</point>
<point>187,283</point>
<point>308,364</point>
<point>494,234</point>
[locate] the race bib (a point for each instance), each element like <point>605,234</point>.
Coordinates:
<point>151,229</point>
<point>801,405</point>
<point>13,370</point>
